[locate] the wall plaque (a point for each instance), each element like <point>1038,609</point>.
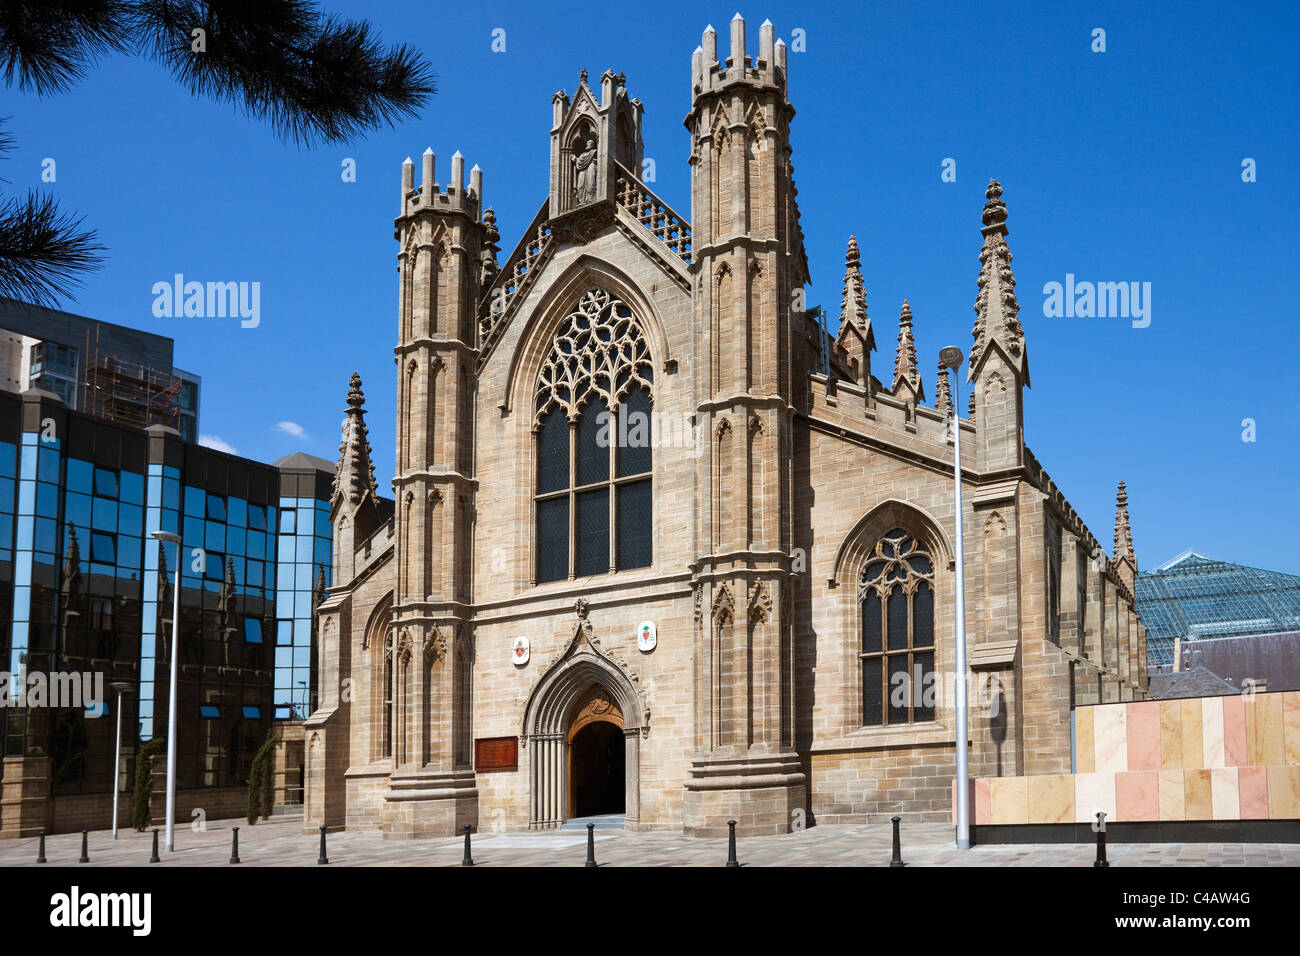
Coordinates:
<point>496,753</point>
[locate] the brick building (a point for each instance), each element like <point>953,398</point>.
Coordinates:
<point>740,612</point>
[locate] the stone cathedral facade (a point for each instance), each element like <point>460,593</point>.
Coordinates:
<point>659,547</point>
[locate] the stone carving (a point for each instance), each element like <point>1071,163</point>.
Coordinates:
<point>585,186</point>
<point>435,646</point>
<point>724,606</point>
<point>760,603</point>
<point>585,224</point>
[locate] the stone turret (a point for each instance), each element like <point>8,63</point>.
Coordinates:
<point>447,250</point>
<point>747,259</point>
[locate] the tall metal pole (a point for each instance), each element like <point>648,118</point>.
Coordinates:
<point>117,764</point>
<point>120,687</point>
<point>952,357</point>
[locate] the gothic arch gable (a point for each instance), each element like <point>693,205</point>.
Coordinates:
<point>564,684</point>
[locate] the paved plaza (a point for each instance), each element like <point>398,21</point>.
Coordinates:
<point>282,842</point>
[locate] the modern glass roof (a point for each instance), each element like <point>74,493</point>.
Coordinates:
<point>1194,596</point>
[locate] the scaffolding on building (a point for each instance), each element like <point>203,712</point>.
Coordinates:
<point>1195,597</point>
<point>128,392</point>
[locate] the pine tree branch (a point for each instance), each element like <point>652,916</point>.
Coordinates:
<point>46,45</point>
<point>43,252</point>
<point>311,76</point>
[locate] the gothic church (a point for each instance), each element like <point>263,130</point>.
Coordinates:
<point>662,549</point>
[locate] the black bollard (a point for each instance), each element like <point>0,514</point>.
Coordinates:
<point>322,858</point>
<point>897,858</point>
<point>154,858</point>
<point>85,852</point>
<point>1101,840</point>
<point>467,859</point>
<point>234,845</point>
<point>591,844</point>
<point>731,844</point>
<point>40,854</point>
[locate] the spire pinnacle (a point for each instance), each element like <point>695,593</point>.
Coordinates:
<point>855,337</point>
<point>943,391</point>
<point>996,307</point>
<point>354,477</point>
<point>1123,532</point>
<point>905,371</point>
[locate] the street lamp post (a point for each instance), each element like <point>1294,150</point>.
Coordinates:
<point>122,687</point>
<point>171,694</point>
<point>952,358</point>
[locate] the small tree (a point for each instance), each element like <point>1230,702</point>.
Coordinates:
<point>140,817</point>
<point>261,781</point>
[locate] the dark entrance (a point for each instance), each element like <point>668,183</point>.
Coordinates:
<point>598,769</point>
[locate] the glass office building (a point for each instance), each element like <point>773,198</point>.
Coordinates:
<point>89,592</point>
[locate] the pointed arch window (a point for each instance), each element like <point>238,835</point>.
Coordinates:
<point>594,444</point>
<point>896,603</point>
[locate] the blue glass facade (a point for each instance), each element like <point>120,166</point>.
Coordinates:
<point>88,590</point>
<point>303,566</point>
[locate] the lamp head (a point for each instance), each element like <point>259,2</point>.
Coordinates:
<point>951,357</point>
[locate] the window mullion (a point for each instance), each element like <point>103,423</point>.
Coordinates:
<point>609,490</point>
<point>573,500</point>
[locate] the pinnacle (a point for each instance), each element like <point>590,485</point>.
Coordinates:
<point>905,370</point>
<point>996,307</point>
<point>428,151</point>
<point>943,391</point>
<point>1123,531</point>
<point>354,476</point>
<point>853,303</point>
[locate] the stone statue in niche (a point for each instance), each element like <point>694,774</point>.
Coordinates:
<point>584,174</point>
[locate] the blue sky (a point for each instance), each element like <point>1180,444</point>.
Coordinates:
<point>1117,166</point>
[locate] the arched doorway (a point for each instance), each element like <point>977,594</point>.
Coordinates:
<point>597,757</point>
<point>584,688</point>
